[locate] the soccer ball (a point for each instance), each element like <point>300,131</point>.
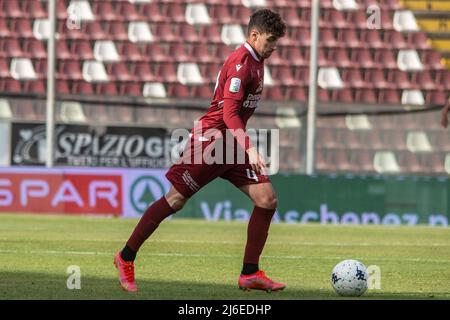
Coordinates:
<point>349,278</point>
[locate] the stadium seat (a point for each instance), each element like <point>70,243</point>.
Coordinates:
<point>94,71</point>
<point>105,51</point>
<point>394,39</point>
<point>189,74</point>
<point>371,38</point>
<point>151,12</point>
<point>284,76</point>
<point>139,31</point>
<point>117,29</point>
<point>348,38</point>
<point>203,92</point>
<point>254,3</point>
<point>22,28</point>
<point>404,21</point>
<point>329,78</point>
<point>106,89</point>
<point>436,97</point>
<point>423,80</point>
<point>11,9</point>
<point>357,122</point>
<point>69,70</point>
<point>418,141</point>
<point>81,49</point>
<point>363,58</point>
<point>62,87</point>
<point>356,19</point>
<point>385,58</point>
<point>166,72</point>
<point>353,78</point>
<point>130,89</point>
<point>164,32</point>
<point>385,162</point>
<point>104,11</point>
<point>268,80</point>
<point>127,11</point>
<point>326,38</point>
<point>294,56</point>
<point>176,90</point>
<point>71,112</point>
<point>202,54</point>
<point>34,9</point>
<point>189,34</point>
<point>417,40</point>
<point>129,52</point>
<point>297,94</point>
<point>211,34</point>
<point>142,72</point>
<point>365,96</point>
<point>119,72</point>
<point>413,97</point>
<point>34,49</point>
<point>221,14</point>
<point>345,5</point>
<point>41,29</point>
<point>63,52</point>
<point>155,52</point>
<point>408,60</point>
<point>344,95</point>
<point>432,60</point>
<point>232,34</point>
<point>389,96</point>
<point>22,69</point>
<point>82,88</point>
<point>197,13</point>
<point>398,79</point>
<point>174,12</point>
<point>273,93</point>
<point>81,9</point>
<point>376,78</point>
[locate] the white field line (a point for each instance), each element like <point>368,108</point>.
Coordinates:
<point>193,255</point>
<point>301,243</point>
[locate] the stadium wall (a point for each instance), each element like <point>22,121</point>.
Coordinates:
<point>302,199</point>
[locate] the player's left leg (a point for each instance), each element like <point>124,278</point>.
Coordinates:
<point>265,201</point>
<point>259,189</point>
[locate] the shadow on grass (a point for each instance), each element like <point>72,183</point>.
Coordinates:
<point>42,286</point>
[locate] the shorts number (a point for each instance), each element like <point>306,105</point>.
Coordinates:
<point>251,174</point>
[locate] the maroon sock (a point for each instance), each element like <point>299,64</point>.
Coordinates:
<point>154,214</point>
<point>257,231</point>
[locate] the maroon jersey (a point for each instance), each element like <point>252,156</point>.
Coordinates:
<point>238,89</point>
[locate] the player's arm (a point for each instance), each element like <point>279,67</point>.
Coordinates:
<point>234,92</point>
<point>444,116</point>
<point>234,122</point>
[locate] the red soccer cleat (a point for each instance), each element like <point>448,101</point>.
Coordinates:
<point>259,281</point>
<point>126,273</point>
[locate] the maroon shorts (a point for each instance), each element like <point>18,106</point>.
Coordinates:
<point>188,178</point>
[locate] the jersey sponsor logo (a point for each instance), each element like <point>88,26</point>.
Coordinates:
<point>235,85</point>
<point>238,67</point>
<point>251,101</point>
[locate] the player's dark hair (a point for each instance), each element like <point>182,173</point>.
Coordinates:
<point>267,21</point>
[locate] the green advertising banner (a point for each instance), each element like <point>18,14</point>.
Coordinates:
<point>333,200</point>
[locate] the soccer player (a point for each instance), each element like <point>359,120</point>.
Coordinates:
<point>238,89</point>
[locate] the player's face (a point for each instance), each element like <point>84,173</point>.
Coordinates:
<point>265,44</point>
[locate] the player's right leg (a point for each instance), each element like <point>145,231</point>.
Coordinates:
<point>172,202</point>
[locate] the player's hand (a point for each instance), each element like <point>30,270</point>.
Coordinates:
<point>444,115</point>
<point>256,161</point>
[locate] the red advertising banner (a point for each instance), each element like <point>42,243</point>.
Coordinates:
<point>61,192</point>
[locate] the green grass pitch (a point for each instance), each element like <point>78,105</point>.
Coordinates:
<point>193,259</point>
